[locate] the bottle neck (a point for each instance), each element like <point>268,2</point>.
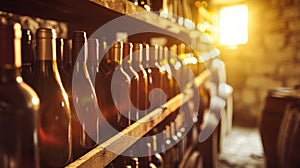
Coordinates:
<point>45,67</point>
<point>80,67</point>
<point>167,133</point>
<point>154,140</point>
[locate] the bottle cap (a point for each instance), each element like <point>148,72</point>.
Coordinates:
<point>27,47</point>
<point>127,50</point>
<point>79,46</point>
<point>93,49</point>
<point>116,51</point>
<point>46,44</point>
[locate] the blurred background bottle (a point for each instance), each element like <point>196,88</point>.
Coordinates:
<point>85,120</point>
<point>19,105</point>
<point>27,56</point>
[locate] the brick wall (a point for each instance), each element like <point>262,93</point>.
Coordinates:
<point>270,59</point>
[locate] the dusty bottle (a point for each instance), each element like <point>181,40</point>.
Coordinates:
<point>19,105</point>
<point>55,143</point>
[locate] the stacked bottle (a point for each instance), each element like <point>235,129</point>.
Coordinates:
<point>73,86</point>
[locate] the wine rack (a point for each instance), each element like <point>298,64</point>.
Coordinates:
<point>79,14</point>
<point>100,157</point>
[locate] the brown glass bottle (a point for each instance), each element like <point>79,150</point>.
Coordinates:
<point>93,58</point>
<point>142,101</point>
<point>19,105</point>
<point>27,56</point>
<point>60,57</point>
<point>168,67</point>
<point>55,117</point>
<point>84,103</point>
<point>159,73</point>
<point>104,94</point>
<point>120,88</point>
<point>148,62</point>
<point>170,153</point>
<point>157,158</point>
<point>67,52</point>
<point>134,89</point>
<point>164,80</point>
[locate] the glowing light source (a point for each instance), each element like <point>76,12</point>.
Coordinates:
<point>234,25</point>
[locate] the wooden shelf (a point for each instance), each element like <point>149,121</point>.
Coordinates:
<point>101,156</point>
<point>89,15</point>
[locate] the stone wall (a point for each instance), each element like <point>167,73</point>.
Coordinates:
<point>33,23</point>
<point>270,59</point>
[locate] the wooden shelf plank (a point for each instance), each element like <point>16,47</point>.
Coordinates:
<point>102,155</point>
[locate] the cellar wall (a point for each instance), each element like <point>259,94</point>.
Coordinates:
<point>270,59</point>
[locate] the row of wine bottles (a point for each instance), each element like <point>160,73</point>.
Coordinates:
<point>184,12</point>
<point>54,117</point>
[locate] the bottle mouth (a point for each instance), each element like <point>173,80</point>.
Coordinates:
<point>79,36</point>
<point>46,33</point>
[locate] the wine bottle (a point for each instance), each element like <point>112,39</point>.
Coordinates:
<point>103,83</point>
<point>159,73</point>
<point>19,105</point>
<point>170,153</point>
<point>157,158</point>
<point>93,58</point>
<point>67,52</point>
<point>181,135</point>
<point>27,56</point>
<point>169,86</point>
<point>176,67</point>
<point>85,121</point>
<point>120,88</point>
<point>143,82</point>
<point>147,161</point>
<point>55,116</point>
<point>151,78</point>
<point>175,141</point>
<point>134,90</point>
<point>60,57</point>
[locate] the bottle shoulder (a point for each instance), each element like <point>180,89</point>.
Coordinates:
<point>20,95</point>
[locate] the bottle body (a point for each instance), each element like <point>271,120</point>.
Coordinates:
<point>55,117</point>
<point>19,105</point>
<point>85,118</point>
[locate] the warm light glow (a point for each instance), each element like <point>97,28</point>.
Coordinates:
<point>234,25</point>
<point>35,101</point>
